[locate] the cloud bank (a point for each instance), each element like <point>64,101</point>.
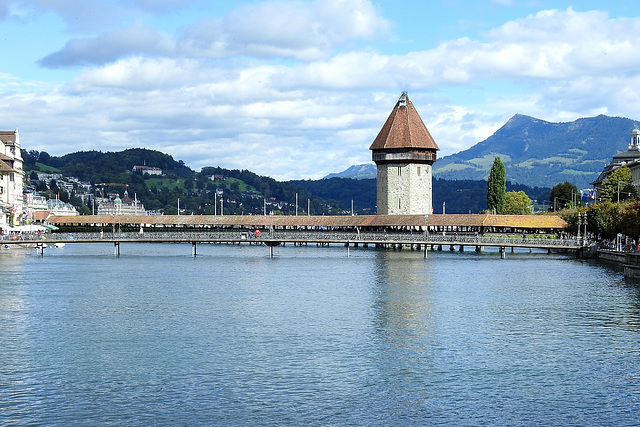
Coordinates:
<point>295,89</point>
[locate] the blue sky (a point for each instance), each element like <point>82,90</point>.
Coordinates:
<point>299,89</point>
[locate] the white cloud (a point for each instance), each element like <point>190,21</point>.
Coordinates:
<point>110,46</point>
<point>294,29</point>
<point>270,29</point>
<point>318,110</point>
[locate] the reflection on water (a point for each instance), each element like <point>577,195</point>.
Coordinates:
<point>314,336</point>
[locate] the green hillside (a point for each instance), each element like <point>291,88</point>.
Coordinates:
<point>244,192</point>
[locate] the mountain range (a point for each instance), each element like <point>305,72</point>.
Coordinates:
<point>535,152</point>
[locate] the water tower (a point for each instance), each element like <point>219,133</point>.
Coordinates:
<point>404,151</point>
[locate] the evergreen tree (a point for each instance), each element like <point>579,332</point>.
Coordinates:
<point>496,187</point>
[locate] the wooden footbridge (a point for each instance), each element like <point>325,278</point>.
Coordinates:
<point>419,232</point>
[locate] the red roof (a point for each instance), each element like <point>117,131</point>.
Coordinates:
<point>472,220</point>
<point>404,129</point>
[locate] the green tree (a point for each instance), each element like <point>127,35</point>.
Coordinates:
<point>617,187</point>
<point>630,219</point>
<point>496,187</point>
<point>517,203</point>
<point>604,219</point>
<point>563,195</point>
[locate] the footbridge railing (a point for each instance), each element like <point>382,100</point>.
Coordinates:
<point>308,236</point>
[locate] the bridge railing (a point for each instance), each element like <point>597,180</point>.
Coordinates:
<point>320,236</point>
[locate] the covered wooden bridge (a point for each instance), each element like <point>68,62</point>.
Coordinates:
<point>450,223</point>
<point>397,231</point>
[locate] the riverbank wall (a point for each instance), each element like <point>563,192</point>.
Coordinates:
<point>630,261</point>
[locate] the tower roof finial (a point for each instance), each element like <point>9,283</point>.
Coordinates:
<point>402,102</point>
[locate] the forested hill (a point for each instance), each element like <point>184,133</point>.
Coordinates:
<point>244,192</point>
<point>96,166</point>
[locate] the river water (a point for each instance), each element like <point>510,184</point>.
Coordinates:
<point>314,336</point>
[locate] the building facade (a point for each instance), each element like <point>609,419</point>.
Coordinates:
<point>147,170</point>
<point>404,152</point>
<point>11,177</point>
<point>120,206</point>
<point>629,158</point>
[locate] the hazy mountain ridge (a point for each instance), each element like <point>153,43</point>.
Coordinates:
<point>363,171</point>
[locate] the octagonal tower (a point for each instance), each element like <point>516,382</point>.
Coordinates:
<point>404,151</point>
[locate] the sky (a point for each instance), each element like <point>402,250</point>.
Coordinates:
<point>298,89</point>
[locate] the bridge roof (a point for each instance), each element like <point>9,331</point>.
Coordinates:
<point>543,222</point>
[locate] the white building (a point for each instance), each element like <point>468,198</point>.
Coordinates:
<point>147,170</point>
<point>11,177</point>
<point>35,203</point>
<point>118,206</point>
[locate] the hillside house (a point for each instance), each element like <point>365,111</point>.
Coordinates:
<point>147,170</point>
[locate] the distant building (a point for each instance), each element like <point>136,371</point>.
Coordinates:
<point>629,158</point>
<point>147,170</point>
<point>404,151</point>
<point>120,206</point>
<point>34,205</point>
<point>11,177</point>
<point>47,177</point>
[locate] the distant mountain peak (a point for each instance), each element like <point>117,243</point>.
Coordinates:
<point>363,171</point>
<point>540,153</point>
<point>519,120</point>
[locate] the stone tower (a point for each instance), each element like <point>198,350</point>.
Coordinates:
<point>404,151</point>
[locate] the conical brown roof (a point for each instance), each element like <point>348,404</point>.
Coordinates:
<point>404,129</point>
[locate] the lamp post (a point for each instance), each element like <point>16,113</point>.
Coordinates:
<point>426,234</point>
<point>426,226</point>
<point>584,235</point>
